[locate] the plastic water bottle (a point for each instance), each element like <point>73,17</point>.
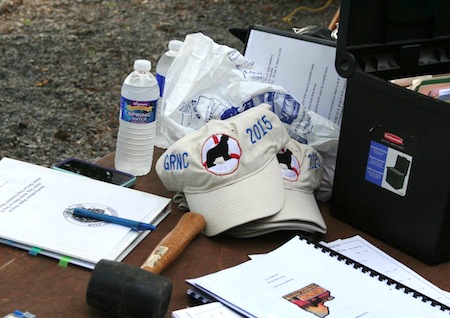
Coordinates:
<point>162,67</point>
<point>137,126</point>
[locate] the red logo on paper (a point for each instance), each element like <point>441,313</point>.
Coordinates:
<point>312,299</point>
<point>393,138</point>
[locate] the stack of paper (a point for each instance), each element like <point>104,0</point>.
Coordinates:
<point>300,278</point>
<point>36,205</point>
<point>362,251</point>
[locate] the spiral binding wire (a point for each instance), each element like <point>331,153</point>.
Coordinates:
<point>381,277</point>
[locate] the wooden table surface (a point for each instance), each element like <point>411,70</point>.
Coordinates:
<point>38,285</point>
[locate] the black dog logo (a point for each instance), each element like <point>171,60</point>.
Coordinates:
<point>285,157</point>
<point>220,150</point>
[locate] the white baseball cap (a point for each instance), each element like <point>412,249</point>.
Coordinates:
<point>302,170</point>
<point>228,169</point>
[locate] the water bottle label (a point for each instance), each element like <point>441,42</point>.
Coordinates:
<point>161,82</point>
<point>138,112</point>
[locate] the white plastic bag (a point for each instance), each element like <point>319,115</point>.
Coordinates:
<point>211,81</point>
<point>195,88</point>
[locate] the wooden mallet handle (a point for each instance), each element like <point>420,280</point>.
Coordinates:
<point>174,243</point>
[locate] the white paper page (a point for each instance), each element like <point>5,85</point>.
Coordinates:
<point>259,287</point>
<point>34,205</point>
<point>212,310</point>
<point>305,69</point>
<point>362,251</point>
<point>88,264</point>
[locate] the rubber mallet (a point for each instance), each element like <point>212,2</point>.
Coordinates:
<point>124,290</point>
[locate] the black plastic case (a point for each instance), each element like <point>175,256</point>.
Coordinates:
<point>392,176</point>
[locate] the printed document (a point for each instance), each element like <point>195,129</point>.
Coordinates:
<point>362,251</point>
<point>36,205</point>
<point>301,280</point>
<point>304,68</point>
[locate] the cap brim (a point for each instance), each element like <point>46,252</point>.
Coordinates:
<point>299,206</point>
<point>258,196</point>
<point>300,212</point>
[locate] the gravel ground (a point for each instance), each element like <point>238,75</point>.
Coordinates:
<point>62,62</point>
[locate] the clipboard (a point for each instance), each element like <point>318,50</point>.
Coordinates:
<point>301,64</point>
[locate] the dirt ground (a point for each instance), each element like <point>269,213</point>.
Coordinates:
<point>62,62</point>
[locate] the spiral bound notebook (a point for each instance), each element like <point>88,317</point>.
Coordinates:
<point>305,279</point>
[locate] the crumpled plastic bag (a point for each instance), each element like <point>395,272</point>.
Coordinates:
<point>196,83</point>
<point>211,81</point>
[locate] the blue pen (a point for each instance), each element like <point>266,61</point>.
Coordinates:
<point>135,225</point>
